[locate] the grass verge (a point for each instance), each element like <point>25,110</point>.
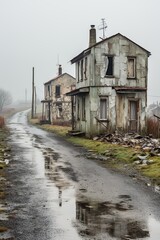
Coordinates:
<point>118,156</point>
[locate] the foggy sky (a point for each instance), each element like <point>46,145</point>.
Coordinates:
<point>43,33</point>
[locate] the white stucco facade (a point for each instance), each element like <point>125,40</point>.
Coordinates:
<point>111,86</point>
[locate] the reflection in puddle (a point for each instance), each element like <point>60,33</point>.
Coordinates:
<point>154,227</point>
<point>53,170</point>
<point>107,217</point>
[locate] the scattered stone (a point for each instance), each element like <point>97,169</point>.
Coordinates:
<point>145,143</point>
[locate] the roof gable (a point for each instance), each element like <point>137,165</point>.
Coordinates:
<point>88,50</point>
<point>56,78</point>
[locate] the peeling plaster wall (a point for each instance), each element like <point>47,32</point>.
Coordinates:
<point>67,83</point>
<point>101,85</point>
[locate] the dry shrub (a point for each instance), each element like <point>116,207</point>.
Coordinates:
<point>153,125</point>
<point>2,123</point>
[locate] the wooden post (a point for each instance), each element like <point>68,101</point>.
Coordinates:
<point>35,102</point>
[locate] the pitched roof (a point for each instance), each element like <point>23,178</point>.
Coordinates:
<point>88,50</point>
<point>53,79</point>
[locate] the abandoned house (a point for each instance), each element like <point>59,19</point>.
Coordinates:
<point>56,105</point>
<point>111,86</point>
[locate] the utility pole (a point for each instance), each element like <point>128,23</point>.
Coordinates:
<point>35,102</point>
<point>32,115</point>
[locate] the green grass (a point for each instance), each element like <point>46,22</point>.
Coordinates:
<point>152,170</point>
<point>118,154</point>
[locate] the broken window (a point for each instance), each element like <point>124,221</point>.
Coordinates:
<point>131,73</point>
<point>58,89</point>
<point>109,65</point>
<point>104,108</point>
<point>85,70</point>
<point>83,109</point>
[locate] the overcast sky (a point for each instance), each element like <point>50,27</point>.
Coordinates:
<point>43,33</point>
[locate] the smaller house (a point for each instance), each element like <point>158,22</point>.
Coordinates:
<point>56,105</point>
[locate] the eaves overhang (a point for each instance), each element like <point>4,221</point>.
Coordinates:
<point>78,91</point>
<point>81,55</point>
<point>125,90</point>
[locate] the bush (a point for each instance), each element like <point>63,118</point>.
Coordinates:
<point>153,125</point>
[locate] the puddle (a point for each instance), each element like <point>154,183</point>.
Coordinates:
<point>154,228</point>
<point>3,217</point>
<point>157,189</point>
<point>101,218</point>
<point>91,219</point>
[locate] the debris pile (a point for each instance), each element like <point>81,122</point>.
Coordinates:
<point>143,143</point>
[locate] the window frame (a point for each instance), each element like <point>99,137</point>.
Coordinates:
<point>78,71</point>
<point>129,58</point>
<point>81,70</point>
<point>107,57</point>
<point>57,90</point>
<point>102,99</point>
<point>83,108</point>
<point>85,69</point>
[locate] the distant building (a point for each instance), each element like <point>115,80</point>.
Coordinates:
<point>111,85</point>
<point>56,105</point>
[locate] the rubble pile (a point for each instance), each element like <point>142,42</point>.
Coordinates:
<point>144,143</point>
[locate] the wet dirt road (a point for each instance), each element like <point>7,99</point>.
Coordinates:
<point>54,192</point>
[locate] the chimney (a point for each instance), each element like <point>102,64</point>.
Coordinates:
<point>59,70</point>
<point>92,36</point>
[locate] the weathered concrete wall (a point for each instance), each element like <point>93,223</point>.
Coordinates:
<point>66,83</point>
<point>101,85</point>
<point>60,105</point>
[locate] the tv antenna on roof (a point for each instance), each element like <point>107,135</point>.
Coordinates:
<point>103,27</point>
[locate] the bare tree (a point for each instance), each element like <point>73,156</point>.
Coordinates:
<point>5,99</point>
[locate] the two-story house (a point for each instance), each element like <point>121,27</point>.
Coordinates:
<point>56,105</point>
<point>111,85</point>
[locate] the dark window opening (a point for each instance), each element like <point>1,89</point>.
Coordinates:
<point>58,88</point>
<point>85,70</point>
<point>109,65</point>
<point>83,109</point>
<point>82,70</point>
<point>78,110</point>
<point>78,71</point>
